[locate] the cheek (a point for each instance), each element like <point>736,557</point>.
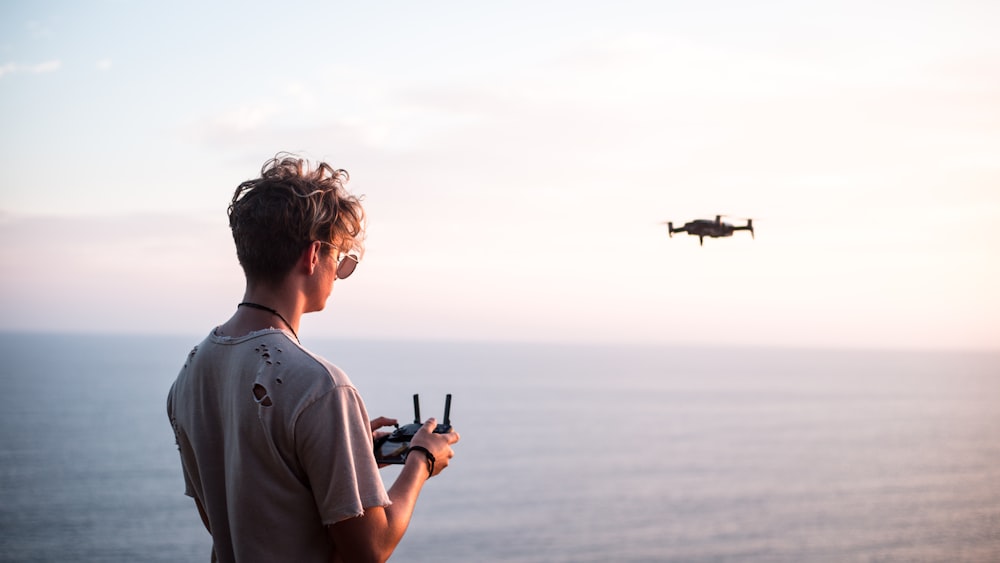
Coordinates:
<point>333,280</point>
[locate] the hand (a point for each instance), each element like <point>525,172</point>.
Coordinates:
<point>438,444</point>
<point>382,422</point>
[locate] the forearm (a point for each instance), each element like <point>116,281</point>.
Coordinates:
<point>375,535</point>
<point>403,493</point>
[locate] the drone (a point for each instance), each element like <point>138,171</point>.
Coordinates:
<point>708,228</point>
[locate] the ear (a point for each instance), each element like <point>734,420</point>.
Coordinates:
<point>310,256</point>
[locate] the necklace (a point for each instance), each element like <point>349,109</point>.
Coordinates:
<point>273,312</point>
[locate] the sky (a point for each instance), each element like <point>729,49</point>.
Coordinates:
<point>517,161</point>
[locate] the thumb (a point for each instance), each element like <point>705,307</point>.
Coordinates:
<point>430,424</point>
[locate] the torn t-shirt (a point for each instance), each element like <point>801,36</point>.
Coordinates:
<point>275,443</point>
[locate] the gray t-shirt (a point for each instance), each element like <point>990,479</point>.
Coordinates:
<point>275,443</point>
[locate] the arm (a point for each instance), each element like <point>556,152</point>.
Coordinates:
<point>375,534</point>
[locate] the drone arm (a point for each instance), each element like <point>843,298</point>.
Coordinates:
<point>747,227</point>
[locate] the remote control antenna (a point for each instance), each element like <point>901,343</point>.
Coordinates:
<point>416,408</point>
<point>447,409</point>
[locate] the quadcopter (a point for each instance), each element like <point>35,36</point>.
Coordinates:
<point>708,228</point>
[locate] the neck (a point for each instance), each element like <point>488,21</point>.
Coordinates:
<point>266,309</point>
<point>261,308</point>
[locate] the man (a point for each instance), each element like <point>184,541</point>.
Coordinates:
<point>275,442</point>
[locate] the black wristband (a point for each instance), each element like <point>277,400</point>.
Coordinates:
<point>428,454</point>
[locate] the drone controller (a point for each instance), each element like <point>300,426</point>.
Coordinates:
<point>392,448</point>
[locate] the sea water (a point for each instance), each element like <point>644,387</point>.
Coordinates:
<point>569,453</point>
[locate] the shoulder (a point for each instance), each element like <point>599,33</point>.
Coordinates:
<point>269,350</point>
<point>311,368</point>
<point>297,378</point>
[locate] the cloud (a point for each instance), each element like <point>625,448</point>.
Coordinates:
<point>114,272</point>
<point>240,120</point>
<point>39,68</point>
<point>104,64</point>
<point>47,66</point>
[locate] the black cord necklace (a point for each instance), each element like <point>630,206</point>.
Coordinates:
<point>273,312</point>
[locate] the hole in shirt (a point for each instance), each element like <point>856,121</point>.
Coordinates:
<point>260,395</point>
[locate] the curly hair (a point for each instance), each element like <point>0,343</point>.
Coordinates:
<point>275,217</point>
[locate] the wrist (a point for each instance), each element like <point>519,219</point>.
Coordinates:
<point>428,457</point>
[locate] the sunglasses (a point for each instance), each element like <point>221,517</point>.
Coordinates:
<point>345,264</point>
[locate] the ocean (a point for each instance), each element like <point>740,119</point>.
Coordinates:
<point>569,453</point>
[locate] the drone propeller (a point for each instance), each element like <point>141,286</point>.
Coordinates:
<point>747,227</point>
<point>739,218</point>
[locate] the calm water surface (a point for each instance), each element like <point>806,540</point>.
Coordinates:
<point>568,453</point>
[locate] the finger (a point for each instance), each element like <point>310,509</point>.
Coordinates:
<point>382,422</point>
<point>430,424</point>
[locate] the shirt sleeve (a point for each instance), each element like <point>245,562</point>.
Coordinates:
<point>179,439</point>
<point>333,441</point>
